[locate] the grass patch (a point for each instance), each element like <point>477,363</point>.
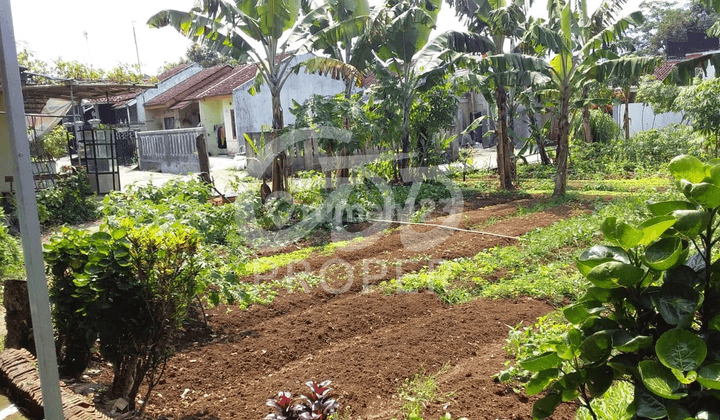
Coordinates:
<point>541,265</point>
<point>419,391</point>
<point>265,264</point>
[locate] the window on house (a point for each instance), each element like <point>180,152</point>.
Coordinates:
<point>232,122</point>
<point>169,123</point>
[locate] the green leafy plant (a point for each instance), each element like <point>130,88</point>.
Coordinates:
<point>69,201</point>
<point>11,260</point>
<point>130,287</point>
<point>652,313</point>
<point>419,391</point>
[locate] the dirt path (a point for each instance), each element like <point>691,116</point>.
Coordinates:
<point>366,343</point>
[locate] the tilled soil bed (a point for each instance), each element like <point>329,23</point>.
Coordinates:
<point>367,343</point>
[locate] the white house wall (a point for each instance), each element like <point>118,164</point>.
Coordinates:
<point>215,112</point>
<point>643,118</point>
<point>252,112</point>
<point>162,87</point>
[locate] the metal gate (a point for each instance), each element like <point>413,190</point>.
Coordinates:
<point>126,147</point>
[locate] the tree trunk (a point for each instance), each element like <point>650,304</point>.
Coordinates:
<point>587,132</point>
<point>626,117</point>
<point>201,148</point>
<point>563,146</point>
<point>278,168</point>
<point>503,150</point>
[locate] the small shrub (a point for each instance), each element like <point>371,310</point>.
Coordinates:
<point>603,127</point>
<point>69,201</point>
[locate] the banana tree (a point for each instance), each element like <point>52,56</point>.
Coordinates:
<point>262,31</point>
<point>407,63</point>
<point>502,21</point>
<point>576,62</point>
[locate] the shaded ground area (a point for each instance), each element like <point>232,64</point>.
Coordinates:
<point>367,343</point>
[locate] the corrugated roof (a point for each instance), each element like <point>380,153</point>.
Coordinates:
<point>190,87</point>
<point>238,77</point>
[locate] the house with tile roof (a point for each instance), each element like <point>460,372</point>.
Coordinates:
<point>204,99</point>
<point>128,109</point>
<point>254,112</point>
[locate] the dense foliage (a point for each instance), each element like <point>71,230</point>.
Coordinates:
<point>652,313</point>
<point>130,287</point>
<point>69,201</point>
<point>10,254</point>
<point>645,152</point>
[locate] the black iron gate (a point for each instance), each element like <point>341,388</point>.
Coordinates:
<point>126,147</point>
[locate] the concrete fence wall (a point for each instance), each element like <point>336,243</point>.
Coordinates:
<point>642,118</point>
<point>169,151</point>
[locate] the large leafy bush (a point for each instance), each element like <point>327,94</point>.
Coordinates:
<point>131,288</point>
<point>652,314</point>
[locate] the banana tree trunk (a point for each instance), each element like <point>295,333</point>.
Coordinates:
<point>587,132</point>
<point>503,150</point>
<point>278,168</point>
<point>563,146</point>
<point>626,117</point>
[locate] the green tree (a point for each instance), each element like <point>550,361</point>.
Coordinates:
<point>207,57</point>
<point>503,21</point>
<point>263,32</point>
<point>701,103</point>
<point>576,60</point>
<point>669,21</point>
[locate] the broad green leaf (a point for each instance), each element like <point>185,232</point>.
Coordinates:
<point>712,171</point>
<point>678,412</point>
<point>703,193</point>
<point>623,341</point>
<point>597,323</point>
<point>600,254</point>
<point>654,227</point>
<point>660,381</point>
<point>687,167</point>
<point>545,407</point>
<point>614,274</point>
<point>683,274</point>
<point>665,254</point>
<point>647,405</point>
<point>119,234</point>
<point>621,233</point>
<point>664,208</point>
<point>544,361</point>
<point>579,312</point>
<point>715,323</point>
<point>599,380</point>
<point>596,348</point>
<point>540,380</point>
<point>676,303</point>
<point>685,379</point>
<point>681,349</point>
<point>101,237</point>
<point>691,222</point>
<point>709,376</point>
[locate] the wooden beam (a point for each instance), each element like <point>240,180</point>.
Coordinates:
<point>28,217</point>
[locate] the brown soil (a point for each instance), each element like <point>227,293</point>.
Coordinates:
<point>366,343</point>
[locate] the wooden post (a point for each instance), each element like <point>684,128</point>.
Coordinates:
<point>203,157</point>
<point>28,217</point>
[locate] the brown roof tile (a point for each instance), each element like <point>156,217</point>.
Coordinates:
<point>190,87</point>
<point>238,77</point>
<point>172,71</point>
<point>663,71</point>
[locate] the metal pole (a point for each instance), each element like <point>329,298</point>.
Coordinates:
<point>28,216</point>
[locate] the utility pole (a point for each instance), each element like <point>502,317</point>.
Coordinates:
<point>137,51</point>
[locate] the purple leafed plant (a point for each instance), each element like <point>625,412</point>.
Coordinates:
<point>318,406</point>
